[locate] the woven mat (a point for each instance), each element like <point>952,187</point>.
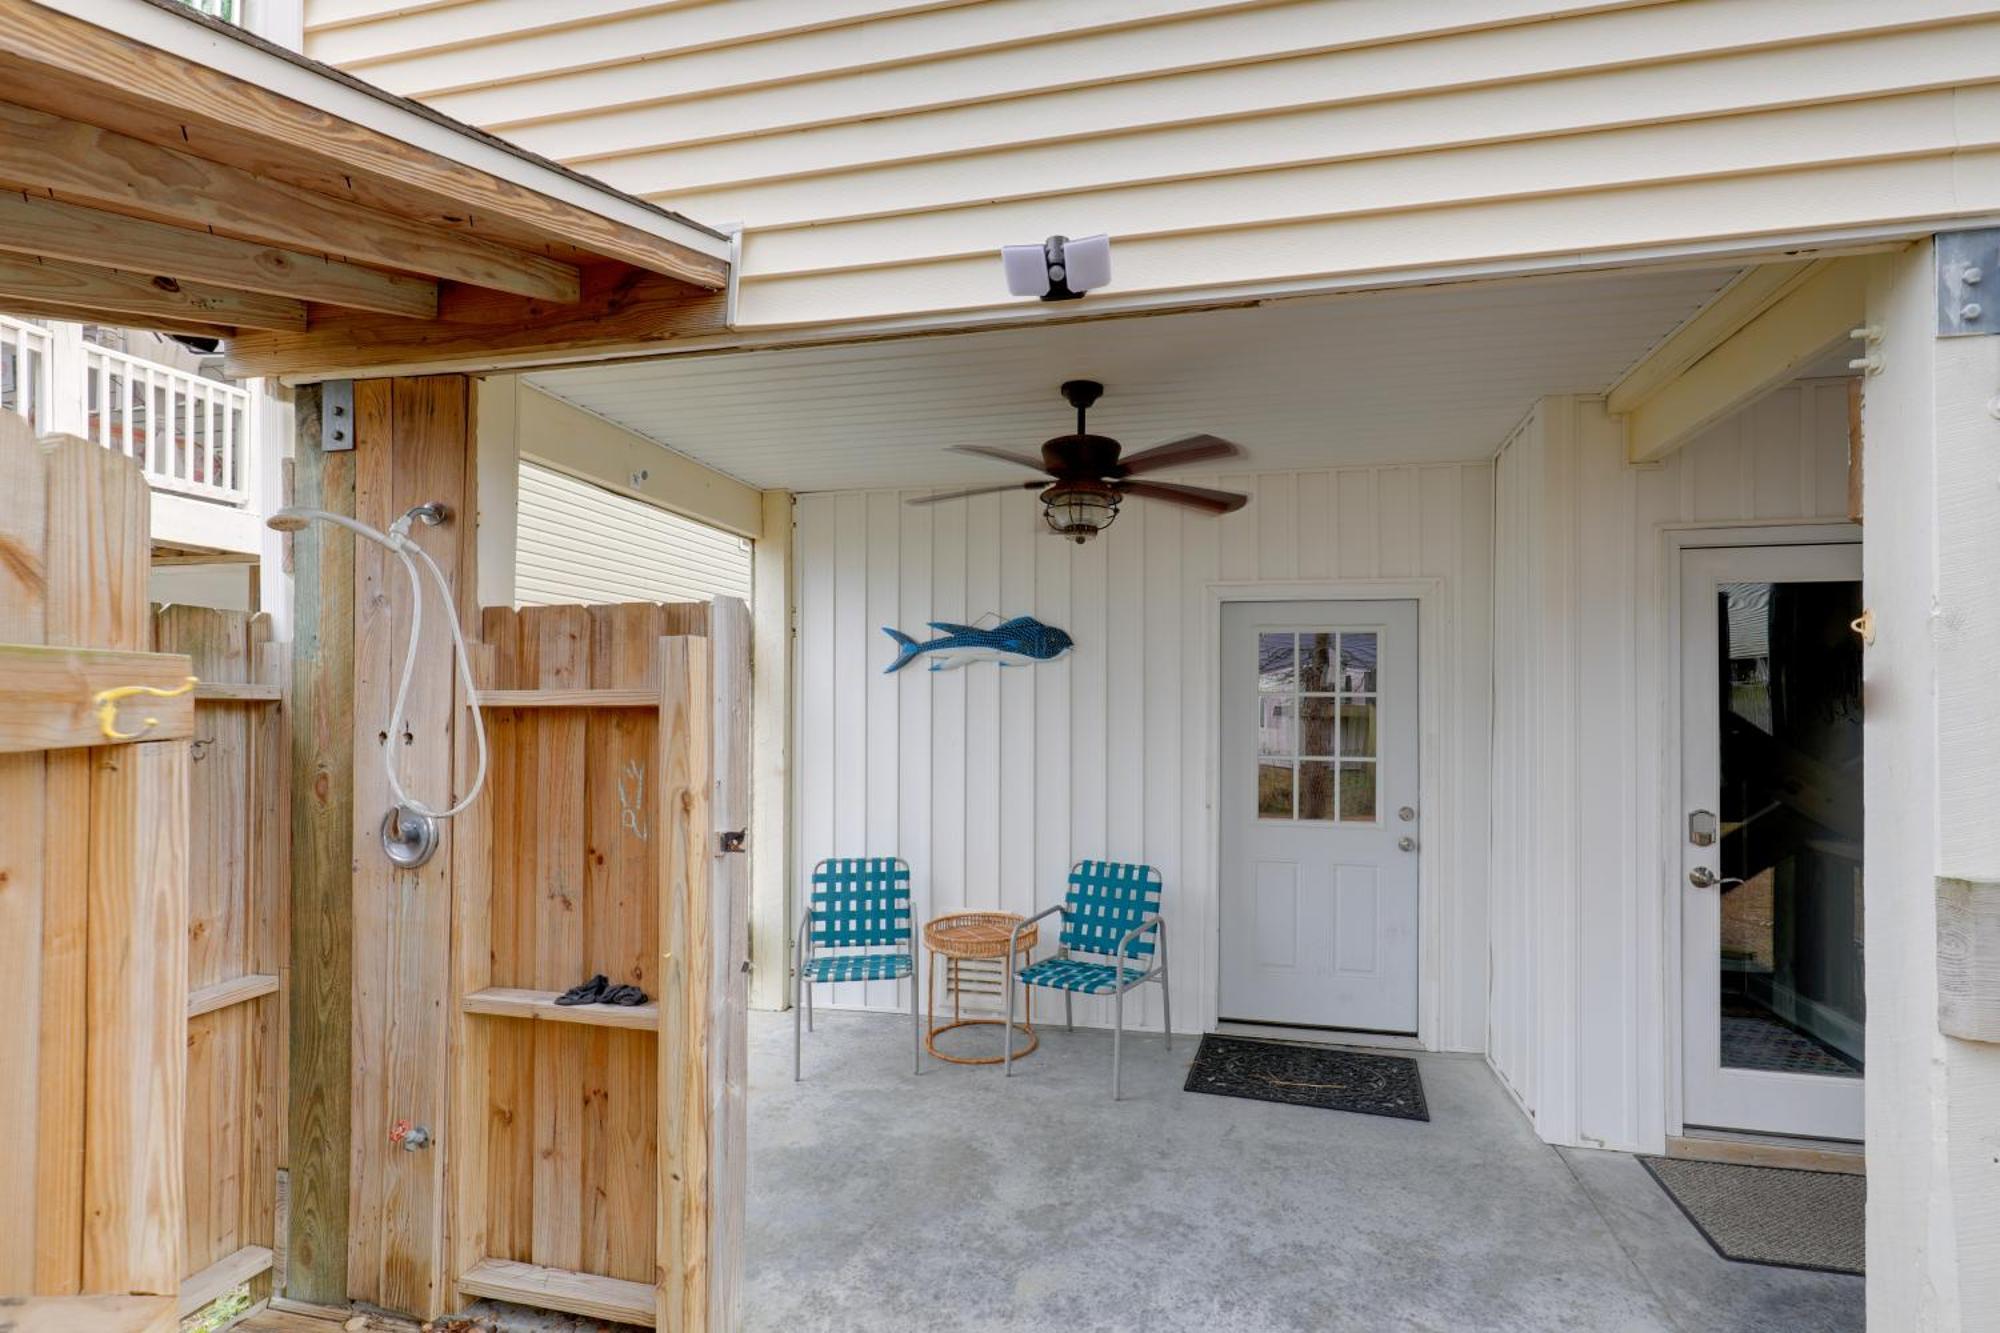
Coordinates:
<point>1771,1215</point>
<point>1277,1071</point>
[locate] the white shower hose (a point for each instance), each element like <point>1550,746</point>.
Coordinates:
<point>397,540</point>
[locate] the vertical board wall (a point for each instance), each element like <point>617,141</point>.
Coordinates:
<point>239,828</point>
<point>992,782</point>
<point>1579,914</point>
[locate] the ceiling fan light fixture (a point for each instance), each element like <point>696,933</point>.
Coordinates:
<point>1079,510</point>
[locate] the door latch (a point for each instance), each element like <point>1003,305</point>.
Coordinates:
<point>734,842</point>
<point>1701,828</point>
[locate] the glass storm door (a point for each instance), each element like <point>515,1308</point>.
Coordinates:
<point>1319,814</point>
<point>1770,882</point>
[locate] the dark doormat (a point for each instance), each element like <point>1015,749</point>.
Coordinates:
<point>1277,1071</point>
<point>1771,1214</point>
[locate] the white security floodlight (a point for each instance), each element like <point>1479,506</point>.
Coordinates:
<point>1058,269</point>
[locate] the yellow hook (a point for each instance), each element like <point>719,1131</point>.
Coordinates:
<point>106,704</point>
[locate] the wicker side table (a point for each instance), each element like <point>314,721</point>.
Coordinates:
<point>974,935</point>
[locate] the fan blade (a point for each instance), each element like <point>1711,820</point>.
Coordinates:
<point>1004,455</point>
<point>1193,497</point>
<point>977,490</point>
<point>1174,453</point>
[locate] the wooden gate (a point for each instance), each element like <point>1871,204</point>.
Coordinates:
<point>93,897</point>
<point>239,834</point>
<point>597,1150</point>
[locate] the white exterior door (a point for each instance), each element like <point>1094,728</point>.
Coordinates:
<point>1320,827</point>
<point>1770,867</point>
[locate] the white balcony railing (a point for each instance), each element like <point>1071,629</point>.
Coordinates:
<point>191,435</point>
<point>24,371</point>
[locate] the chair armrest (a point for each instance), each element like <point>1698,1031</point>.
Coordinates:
<point>1125,940</point>
<point>1014,937</point>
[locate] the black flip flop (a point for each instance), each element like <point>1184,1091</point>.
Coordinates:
<point>590,992</point>
<point>625,995</point>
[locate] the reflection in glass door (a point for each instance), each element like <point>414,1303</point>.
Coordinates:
<point>1772,946</point>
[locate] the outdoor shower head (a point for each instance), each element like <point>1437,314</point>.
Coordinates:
<point>409,830</point>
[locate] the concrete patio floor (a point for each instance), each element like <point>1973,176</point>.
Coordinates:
<point>957,1201</point>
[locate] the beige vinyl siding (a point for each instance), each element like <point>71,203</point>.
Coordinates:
<point>877,153</point>
<point>581,543</point>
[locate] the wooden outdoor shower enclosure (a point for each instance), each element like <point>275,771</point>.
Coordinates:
<point>586,1159</point>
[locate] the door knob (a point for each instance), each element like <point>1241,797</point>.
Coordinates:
<point>1704,878</point>
<point>1406,844</point>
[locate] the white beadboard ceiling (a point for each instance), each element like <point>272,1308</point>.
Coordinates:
<point>1423,375</point>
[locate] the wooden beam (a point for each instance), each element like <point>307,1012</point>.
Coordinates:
<point>1783,337</point>
<point>102,1314</point>
<point>1753,292</point>
<point>223,1276</point>
<point>171,85</point>
<point>621,309</point>
<point>49,702</point>
<point>322,773</point>
<point>56,230</point>
<point>143,295</point>
<point>82,163</point>
<point>21,306</point>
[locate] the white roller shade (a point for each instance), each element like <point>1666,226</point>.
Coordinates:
<point>579,543</point>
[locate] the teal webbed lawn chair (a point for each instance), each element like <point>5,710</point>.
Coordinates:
<point>1112,910</point>
<point>859,926</point>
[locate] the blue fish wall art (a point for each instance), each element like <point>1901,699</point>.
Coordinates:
<point>1015,642</point>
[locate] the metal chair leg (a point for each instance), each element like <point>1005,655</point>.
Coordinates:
<point>1069,1014</point>
<point>1117,1038</point>
<point>1007,1030</point>
<point>809,1006</point>
<point>1166,991</point>
<point>916,1035</point>
<point>798,1003</point>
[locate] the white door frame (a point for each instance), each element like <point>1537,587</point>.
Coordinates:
<point>1434,789</point>
<point>1669,816</point>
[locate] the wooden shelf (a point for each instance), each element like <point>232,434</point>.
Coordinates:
<point>541,1006</point>
<point>222,994</point>
<point>559,1289</point>
<point>222,1277</point>
<point>569,698</point>
<point>232,692</point>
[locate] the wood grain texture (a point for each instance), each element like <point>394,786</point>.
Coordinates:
<point>136,998</point>
<point>618,309</point>
<point>686,967</point>
<point>322,814</point>
<point>729,638</point>
<point>413,444</point>
<point>540,1006</point>
<point>50,700</point>
<point>56,230</point>
<point>81,161</point>
<point>144,294</point>
<point>556,1289</point>
<point>100,1314</point>
<point>248,122</point>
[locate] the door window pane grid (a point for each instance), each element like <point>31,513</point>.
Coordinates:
<point>1317,716</point>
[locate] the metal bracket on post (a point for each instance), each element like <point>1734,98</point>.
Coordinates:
<point>1968,282</point>
<point>336,416</point>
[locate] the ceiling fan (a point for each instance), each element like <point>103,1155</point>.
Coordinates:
<point>1091,479</point>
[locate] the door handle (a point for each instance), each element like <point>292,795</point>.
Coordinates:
<point>1406,844</point>
<point>1704,878</point>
